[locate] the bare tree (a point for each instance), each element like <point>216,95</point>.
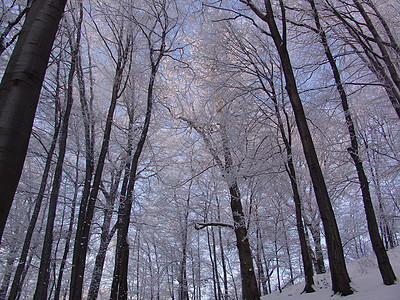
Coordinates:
<point>155,35</point>
<point>340,277</point>
<point>44,270</point>
<point>385,267</point>
<point>19,94</point>
<point>124,48</point>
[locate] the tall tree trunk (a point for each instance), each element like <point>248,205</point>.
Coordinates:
<point>339,275</point>
<point>106,236</point>
<point>215,258</point>
<point>19,94</point>
<point>222,253</point>
<point>120,285</point>
<point>318,258</point>
<point>44,269</point>
<point>119,289</point>
<point>249,281</point>
<point>260,267</point>
<point>183,284</point>
<point>290,170</point>
<point>81,245</point>
<point>372,60</point>
<point>17,281</point>
<point>248,276</point>
<point>385,267</point>
<point>277,266</point>
<point>88,123</point>
<point>379,41</point>
<point>213,268</point>
<point>69,232</point>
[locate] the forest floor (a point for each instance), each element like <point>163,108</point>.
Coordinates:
<point>366,283</point>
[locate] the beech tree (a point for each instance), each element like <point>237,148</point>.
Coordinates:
<point>156,37</point>
<point>19,94</point>
<point>385,267</point>
<point>340,277</point>
<point>197,140</point>
<point>87,207</point>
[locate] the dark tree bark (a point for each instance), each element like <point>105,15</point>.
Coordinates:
<point>264,73</point>
<point>17,281</point>
<point>157,49</point>
<point>214,268</point>
<point>44,269</point>
<point>106,235</point>
<point>380,43</point>
<point>82,240</point>
<point>339,275</point>
<point>385,267</point>
<point>290,169</point>
<point>222,253</point>
<point>372,59</point>
<point>81,249</point>
<point>248,276</point>
<point>249,282</point>
<point>19,94</point>
<point>88,123</point>
<point>120,284</point>
<point>57,291</point>
<point>183,284</point>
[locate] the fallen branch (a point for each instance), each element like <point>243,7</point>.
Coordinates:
<point>199,225</point>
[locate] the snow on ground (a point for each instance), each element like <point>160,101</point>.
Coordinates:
<point>365,281</point>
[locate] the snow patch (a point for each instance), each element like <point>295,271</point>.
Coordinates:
<point>366,282</point>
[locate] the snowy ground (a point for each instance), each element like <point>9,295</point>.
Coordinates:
<point>366,282</point>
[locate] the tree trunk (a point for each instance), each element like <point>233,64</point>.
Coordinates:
<point>88,123</point>
<point>19,94</point>
<point>120,285</point>
<point>105,239</point>
<point>81,245</point>
<point>318,258</point>
<point>339,275</point>
<point>44,269</point>
<point>183,284</point>
<point>17,281</point>
<point>290,169</point>
<point>385,267</point>
<point>222,253</point>
<point>213,267</point>
<point>379,41</point>
<point>119,289</point>
<point>277,266</point>
<point>69,232</point>
<point>249,281</point>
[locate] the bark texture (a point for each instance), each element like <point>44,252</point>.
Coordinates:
<point>339,275</point>
<point>385,267</point>
<point>19,94</point>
